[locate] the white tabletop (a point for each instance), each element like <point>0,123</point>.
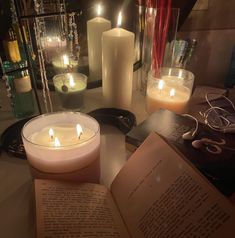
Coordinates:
<point>17,212</point>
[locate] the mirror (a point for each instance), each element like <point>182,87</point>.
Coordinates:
<point>58,25</point>
<point>55,32</point>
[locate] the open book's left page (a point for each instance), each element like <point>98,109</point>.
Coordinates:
<point>76,210</point>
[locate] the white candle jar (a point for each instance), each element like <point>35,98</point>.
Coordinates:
<point>78,155</point>
<point>170,89</point>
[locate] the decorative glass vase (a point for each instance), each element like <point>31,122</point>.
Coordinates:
<point>159,39</point>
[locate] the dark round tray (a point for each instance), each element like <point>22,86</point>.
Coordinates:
<point>11,140</point>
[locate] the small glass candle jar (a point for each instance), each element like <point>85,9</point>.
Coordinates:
<point>70,88</point>
<point>171,89</point>
<point>64,145</point>
<point>63,63</point>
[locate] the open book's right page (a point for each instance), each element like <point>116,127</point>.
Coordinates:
<point>160,195</point>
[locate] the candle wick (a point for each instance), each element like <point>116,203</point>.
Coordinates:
<point>79,137</point>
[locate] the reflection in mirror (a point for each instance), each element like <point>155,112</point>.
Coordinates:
<point>65,36</point>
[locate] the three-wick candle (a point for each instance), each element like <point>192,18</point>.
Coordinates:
<point>62,143</point>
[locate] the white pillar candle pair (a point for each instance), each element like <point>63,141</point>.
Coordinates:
<point>117,63</point>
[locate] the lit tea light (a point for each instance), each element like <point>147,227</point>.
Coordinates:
<point>51,133</point>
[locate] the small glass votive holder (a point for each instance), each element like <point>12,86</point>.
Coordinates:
<point>170,89</point>
<point>70,88</point>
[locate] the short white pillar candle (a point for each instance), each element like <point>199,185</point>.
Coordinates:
<point>117,67</point>
<point>63,145</point>
<point>170,90</point>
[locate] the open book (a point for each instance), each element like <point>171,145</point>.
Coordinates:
<point>156,194</point>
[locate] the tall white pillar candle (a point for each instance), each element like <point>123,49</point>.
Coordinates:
<point>95,28</point>
<point>117,67</point>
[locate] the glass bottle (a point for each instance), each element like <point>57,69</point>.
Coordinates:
<point>11,47</point>
<point>22,100</point>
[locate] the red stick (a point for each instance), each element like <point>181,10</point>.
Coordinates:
<point>160,33</point>
<point>165,32</point>
<point>157,36</point>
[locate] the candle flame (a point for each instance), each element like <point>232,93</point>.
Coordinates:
<point>150,10</point>
<point>49,39</point>
<point>169,73</point>
<point>51,133</point>
<point>79,130</point>
<point>119,21</point>
<point>58,39</point>
<point>180,74</point>
<point>99,9</point>
<point>57,142</point>
<point>160,84</point>
<point>71,81</point>
<point>66,59</point>
<point>172,93</point>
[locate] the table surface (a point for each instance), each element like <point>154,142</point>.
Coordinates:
<point>17,203</point>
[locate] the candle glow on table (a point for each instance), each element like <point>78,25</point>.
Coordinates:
<point>95,29</point>
<point>172,90</point>
<point>62,143</point>
<point>117,66</point>
<point>70,88</point>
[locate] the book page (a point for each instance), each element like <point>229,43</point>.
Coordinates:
<point>160,195</point>
<point>69,210</point>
